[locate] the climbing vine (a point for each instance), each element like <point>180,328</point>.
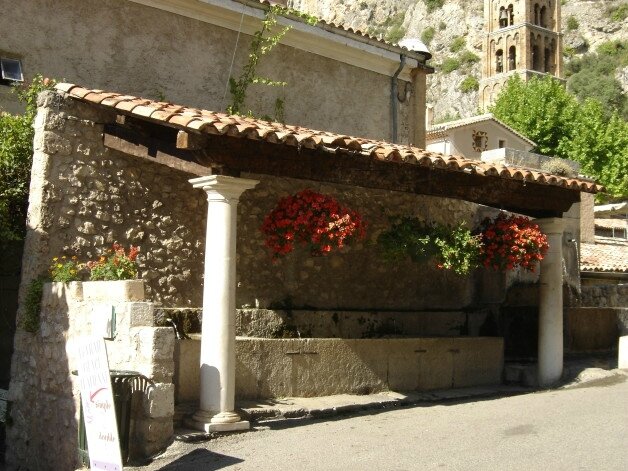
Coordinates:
<point>264,40</point>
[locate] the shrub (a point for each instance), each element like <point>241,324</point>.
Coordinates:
<point>442,26</point>
<point>449,65</point>
<point>558,166</point>
<point>32,305</point>
<point>468,57</point>
<point>618,13</point>
<point>16,158</point>
<point>572,23</point>
<point>433,4</point>
<point>469,84</point>
<point>457,44</point>
<point>395,34</point>
<point>427,35</point>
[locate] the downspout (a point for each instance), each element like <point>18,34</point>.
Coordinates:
<point>393,97</point>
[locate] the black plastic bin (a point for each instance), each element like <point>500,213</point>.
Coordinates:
<point>123,384</point>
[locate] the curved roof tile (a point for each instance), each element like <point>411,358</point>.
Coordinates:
<point>209,122</point>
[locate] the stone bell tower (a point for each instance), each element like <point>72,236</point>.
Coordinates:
<point>522,37</point>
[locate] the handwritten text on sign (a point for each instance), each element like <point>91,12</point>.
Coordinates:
<point>98,408</point>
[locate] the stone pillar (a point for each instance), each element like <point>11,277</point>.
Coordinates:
<point>418,104</point>
<point>217,382</point>
<point>550,349</point>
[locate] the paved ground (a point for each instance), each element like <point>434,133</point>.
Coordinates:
<point>584,427</point>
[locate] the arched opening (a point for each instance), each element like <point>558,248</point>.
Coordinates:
<point>535,58</point>
<point>542,17</point>
<point>499,61</point>
<point>503,17</point>
<point>512,58</point>
<point>511,14</point>
<point>536,13</point>
<point>548,60</point>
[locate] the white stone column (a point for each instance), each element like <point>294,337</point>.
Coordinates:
<point>550,349</point>
<point>217,385</point>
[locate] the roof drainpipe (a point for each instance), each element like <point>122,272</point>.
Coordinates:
<point>393,97</point>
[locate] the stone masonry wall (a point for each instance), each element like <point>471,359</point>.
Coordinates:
<point>88,197</point>
<point>45,395</point>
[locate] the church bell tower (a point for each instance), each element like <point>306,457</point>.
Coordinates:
<point>522,37</point>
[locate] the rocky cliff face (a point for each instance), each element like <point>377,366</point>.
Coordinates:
<point>454,34</point>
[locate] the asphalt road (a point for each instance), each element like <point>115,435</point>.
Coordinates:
<point>585,428</point>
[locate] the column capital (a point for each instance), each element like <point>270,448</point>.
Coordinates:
<point>551,225</point>
<point>223,186</point>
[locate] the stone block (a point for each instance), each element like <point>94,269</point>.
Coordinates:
<point>153,435</point>
<point>155,343</point>
<point>142,314</point>
<point>159,402</point>
<point>112,291</point>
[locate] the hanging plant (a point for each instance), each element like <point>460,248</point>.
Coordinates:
<point>312,219</point>
<point>455,249</point>
<point>512,241</point>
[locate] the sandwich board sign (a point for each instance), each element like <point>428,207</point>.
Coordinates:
<point>98,407</point>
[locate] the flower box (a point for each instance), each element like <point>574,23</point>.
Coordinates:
<point>113,291</point>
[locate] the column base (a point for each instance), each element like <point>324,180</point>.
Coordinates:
<point>221,422</point>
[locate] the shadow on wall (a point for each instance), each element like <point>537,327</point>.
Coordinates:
<point>43,412</point>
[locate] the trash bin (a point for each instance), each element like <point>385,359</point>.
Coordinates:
<point>123,384</point>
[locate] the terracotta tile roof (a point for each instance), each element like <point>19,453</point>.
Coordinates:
<point>439,130</point>
<point>210,122</point>
<point>606,255</point>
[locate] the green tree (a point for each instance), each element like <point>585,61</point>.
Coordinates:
<point>16,157</point>
<point>540,109</point>
<point>546,113</point>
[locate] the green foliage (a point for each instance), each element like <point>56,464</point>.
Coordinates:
<point>32,305</point>
<point>546,113</point>
<point>391,29</point>
<point>457,44</point>
<point>593,76</point>
<point>16,158</point>
<point>449,65</point>
<point>115,264</point>
<point>572,23</point>
<point>263,42</point>
<point>64,270</point>
<point>467,57</point>
<point>427,35</point>
<point>618,13</point>
<point>469,84</point>
<point>442,26</point>
<point>433,4</point>
<point>454,248</point>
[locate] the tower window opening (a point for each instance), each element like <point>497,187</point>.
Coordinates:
<point>542,17</point>
<point>512,58</point>
<point>503,17</point>
<point>499,61</point>
<point>535,58</point>
<point>511,14</point>
<point>536,13</point>
<point>547,65</point>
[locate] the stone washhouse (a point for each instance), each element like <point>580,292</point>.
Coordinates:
<point>191,188</point>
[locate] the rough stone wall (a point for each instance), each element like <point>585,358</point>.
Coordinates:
<point>609,295</point>
<point>45,396</point>
<point>84,197</point>
<point>188,61</point>
<point>358,277</point>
